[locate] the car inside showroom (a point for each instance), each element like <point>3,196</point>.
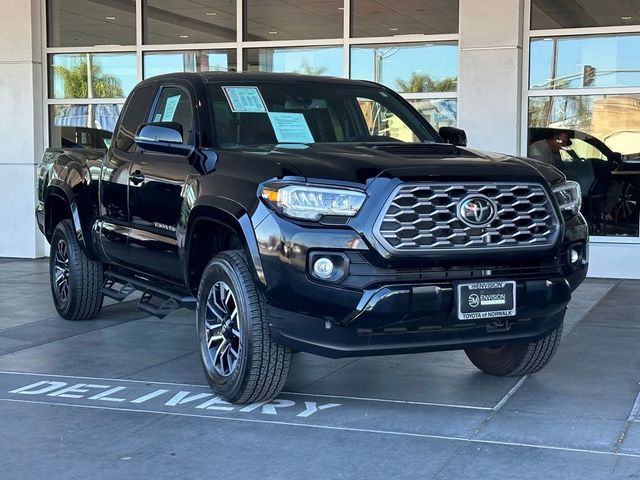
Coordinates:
<point>320,239</point>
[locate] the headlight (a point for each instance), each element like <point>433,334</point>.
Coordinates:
<point>568,196</point>
<point>311,202</point>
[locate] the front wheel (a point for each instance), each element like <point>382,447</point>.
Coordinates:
<point>241,361</point>
<point>518,359</point>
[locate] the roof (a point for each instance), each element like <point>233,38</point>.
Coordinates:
<point>215,77</point>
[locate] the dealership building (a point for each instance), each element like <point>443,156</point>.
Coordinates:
<point>509,72</point>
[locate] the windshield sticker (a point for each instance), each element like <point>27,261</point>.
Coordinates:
<point>170,108</point>
<point>290,127</point>
<point>245,99</point>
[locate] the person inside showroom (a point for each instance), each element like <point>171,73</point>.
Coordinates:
<point>549,150</point>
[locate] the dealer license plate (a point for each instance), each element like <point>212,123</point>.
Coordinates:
<point>486,300</point>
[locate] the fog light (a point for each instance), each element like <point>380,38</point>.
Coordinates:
<point>574,256</point>
<point>323,267</point>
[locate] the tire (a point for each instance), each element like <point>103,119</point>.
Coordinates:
<point>518,359</point>
<point>627,204</point>
<point>241,361</point>
<point>76,280</point>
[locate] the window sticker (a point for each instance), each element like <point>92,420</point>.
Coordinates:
<point>157,117</point>
<point>290,127</point>
<point>170,108</point>
<point>245,99</point>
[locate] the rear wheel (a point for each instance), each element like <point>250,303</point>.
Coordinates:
<point>627,203</point>
<point>241,361</point>
<point>518,359</point>
<point>76,280</point>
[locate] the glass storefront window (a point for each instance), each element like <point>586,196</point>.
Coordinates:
<point>82,126</point>
<point>594,140</point>
<point>308,61</point>
<point>284,20</point>
<point>188,21</point>
<point>585,62</point>
<point>373,18</point>
<point>158,63</point>
<point>408,68</point>
<point>92,75</point>
<point>439,112</point>
<point>420,70</point>
<point>87,23</point>
<point>548,14</point>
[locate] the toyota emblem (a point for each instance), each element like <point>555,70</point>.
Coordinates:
<point>476,210</point>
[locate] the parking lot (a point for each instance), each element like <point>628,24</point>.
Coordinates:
<point>125,395</point>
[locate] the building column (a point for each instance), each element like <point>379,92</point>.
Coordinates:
<point>490,83</point>
<point>21,126</point>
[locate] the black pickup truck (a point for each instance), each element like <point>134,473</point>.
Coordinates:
<point>300,213</point>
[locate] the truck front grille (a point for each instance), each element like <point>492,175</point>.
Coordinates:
<point>424,217</point>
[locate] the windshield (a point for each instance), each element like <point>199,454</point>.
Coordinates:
<point>306,112</point>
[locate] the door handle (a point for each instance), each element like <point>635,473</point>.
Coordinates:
<point>136,177</point>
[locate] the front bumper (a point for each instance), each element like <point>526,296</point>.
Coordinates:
<point>420,318</point>
<point>386,305</point>
<point>313,336</point>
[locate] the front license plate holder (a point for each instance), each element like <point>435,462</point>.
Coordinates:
<point>485,300</point>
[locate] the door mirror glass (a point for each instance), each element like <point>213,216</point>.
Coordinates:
<point>163,137</point>
<point>454,136</point>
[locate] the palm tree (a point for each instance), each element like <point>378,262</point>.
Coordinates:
<point>75,81</point>
<point>568,111</point>
<point>86,79</point>
<point>306,68</point>
<point>420,82</point>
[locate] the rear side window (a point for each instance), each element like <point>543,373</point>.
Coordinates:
<point>134,116</point>
<point>174,105</point>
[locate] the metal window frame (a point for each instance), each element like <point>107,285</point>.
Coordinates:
<point>139,48</point>
<point>240,45</point>
<point>528,35</point>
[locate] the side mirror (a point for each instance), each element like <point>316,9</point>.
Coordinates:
<point>162,137</point>
<point>454,136</point>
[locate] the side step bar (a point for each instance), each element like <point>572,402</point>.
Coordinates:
<point>156,300</point>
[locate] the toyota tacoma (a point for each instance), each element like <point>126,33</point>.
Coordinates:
<point>324,215</point>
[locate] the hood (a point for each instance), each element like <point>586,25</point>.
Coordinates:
<point>360,163</point>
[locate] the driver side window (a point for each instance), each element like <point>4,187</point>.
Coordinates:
<point>382,122</point>
<point>174,105</point>
<point>583,150</point>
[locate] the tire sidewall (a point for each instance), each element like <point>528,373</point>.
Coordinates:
<point>220,269</point>
<point>520,358</point>
<point>62,233</point>
<point>498,360</point>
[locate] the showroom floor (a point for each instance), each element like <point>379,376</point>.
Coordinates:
<point>124,396</point>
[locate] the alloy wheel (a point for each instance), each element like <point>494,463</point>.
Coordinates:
<point>222,329</point>
<point>61,272</point>
<point>628,202</point>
